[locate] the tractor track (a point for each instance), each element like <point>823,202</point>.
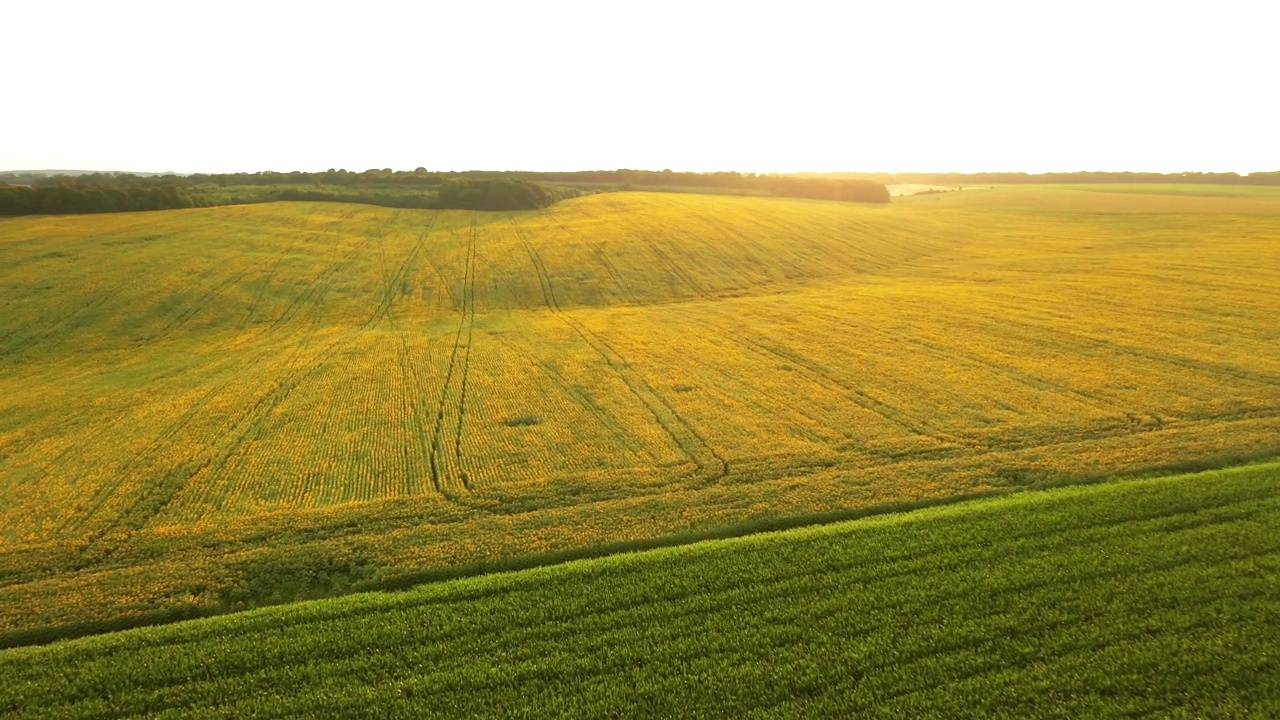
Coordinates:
<point>438,479</point>
<point>691,442</point>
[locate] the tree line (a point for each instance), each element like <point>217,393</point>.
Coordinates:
<point>504,190</point>
<point>73,197</point>
<point>78,196</point>
<point>766,183</point>
<point>500,194</point>
<point>30,193</point>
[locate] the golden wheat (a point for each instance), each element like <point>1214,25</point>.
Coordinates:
<point>182,392</point>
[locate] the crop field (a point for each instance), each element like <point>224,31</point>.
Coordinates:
<point>1151,598</point>
<point>211,409</point>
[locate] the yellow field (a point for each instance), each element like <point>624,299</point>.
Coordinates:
<point>193,401</point>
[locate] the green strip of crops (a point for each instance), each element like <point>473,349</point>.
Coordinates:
<point>1149,597</point>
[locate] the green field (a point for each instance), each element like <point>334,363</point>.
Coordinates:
<point>213,409</point>
<point>1140,598</point>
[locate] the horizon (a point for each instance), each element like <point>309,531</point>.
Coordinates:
<point>162,173</point>
<point>697,88</point>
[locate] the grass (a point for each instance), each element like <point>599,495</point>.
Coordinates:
<point>1152,597</point>
<point>213,409</point>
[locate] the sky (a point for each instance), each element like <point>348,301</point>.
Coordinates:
<point>887,85</point>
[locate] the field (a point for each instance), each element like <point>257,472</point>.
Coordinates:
<point>211,409</point>
<point>1152,598</point>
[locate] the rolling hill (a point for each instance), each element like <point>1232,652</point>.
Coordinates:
<point>211,409</point>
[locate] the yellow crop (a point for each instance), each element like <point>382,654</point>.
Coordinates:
<point>183,392</point>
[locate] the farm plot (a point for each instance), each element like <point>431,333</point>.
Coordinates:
<point>389,392</point>
<point>1152,596</point>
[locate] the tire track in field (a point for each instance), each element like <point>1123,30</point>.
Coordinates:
<point>158,495</point>
<point>386,280</point>
<point>670,264</point>
<point>1019,442</point>
<point>249,425</point>
<point>1039,383</point>
<point>691,442</point>
<point>1207,367</point>
<point>950,354</point>
<point>859,397</point>
<point>320,282</point>
<point>1201,367</point>
<point>98,546</point>
<point>381,234</point>
<point>176,371</point>
<point>470,307</point>
<point>597,250</point>
<point>763,410</point>
<point>195,308</point>
<point>120,417</point>
<point>123,415</point>
<point>674,268</point>
<point>444,282</point>
<point>438,479</point>
<point>1084,435</point>
<point>271,274</point>
<point>583,398</point>
<point>412,401</point>
<point>248,422</point>
<point>713,329</point>
<point>32,339</point>
<point>299,370</point>
<point>790,270</point>
<point>204,301</point>
<point>102,433</point>
<point>612,270</point>
<point>502,287</point>
<point>393,282</point>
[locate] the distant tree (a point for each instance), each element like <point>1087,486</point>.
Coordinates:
<point>121,199</point>
<point>62,199</point>
<point>16,200</point>
<point>493,195</point>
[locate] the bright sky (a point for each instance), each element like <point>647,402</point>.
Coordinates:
<point>880,85</point>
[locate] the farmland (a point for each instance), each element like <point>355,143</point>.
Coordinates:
<point>211,409</point>
<point>1153,597</point>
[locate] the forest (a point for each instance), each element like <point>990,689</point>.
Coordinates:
<point>27,193</point>
<point>103,194</point>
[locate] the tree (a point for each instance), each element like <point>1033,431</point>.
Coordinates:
<point>16,200</point>
<point>493,195</point>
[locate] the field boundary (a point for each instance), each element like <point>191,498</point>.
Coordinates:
<point>406,581</point>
